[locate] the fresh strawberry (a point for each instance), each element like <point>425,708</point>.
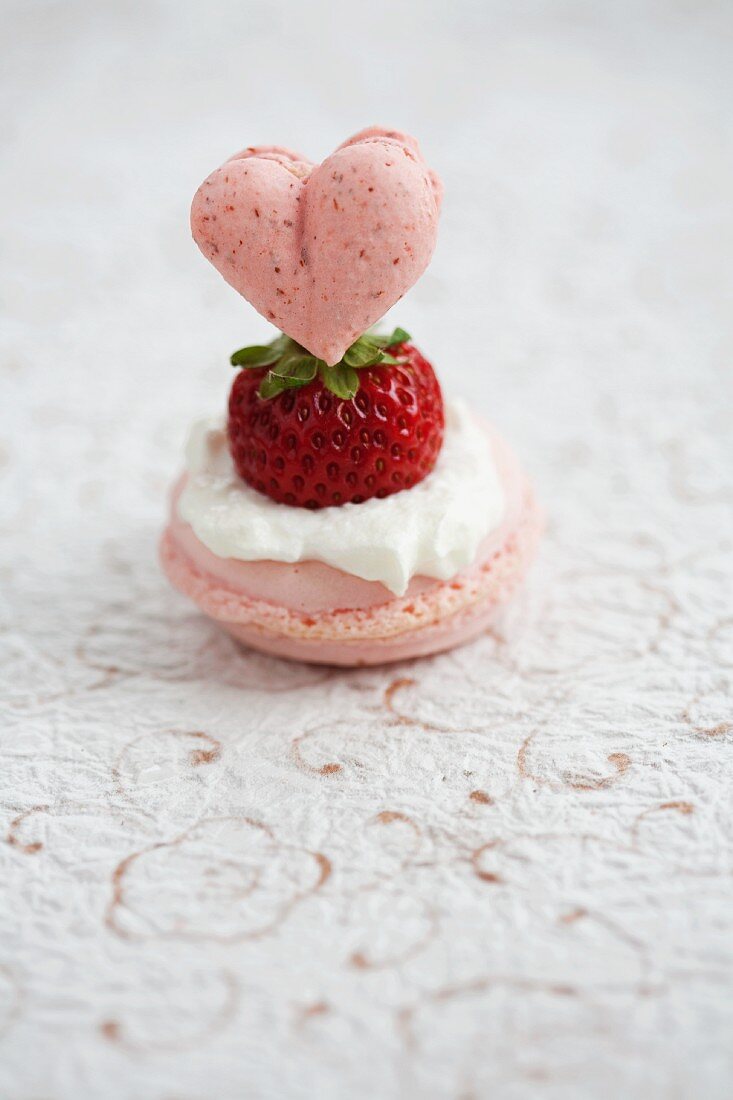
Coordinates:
<point>310,435</point>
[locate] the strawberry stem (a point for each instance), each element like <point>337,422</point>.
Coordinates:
<point>291,365</point>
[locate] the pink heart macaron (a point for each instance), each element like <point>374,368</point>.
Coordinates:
<point>321,250</point>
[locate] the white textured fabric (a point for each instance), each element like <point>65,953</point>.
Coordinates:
<point>501,872</point>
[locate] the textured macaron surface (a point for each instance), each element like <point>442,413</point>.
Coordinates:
<point>321,250</point>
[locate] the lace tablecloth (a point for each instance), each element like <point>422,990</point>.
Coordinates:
<point>505,871</point>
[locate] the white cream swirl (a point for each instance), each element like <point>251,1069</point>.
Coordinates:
<point>432,530</point>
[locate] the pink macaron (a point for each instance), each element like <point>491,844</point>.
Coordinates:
<point>313,612</point>
<point>321,250</point>
<point>331,416</point>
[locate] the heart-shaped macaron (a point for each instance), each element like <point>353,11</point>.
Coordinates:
<point>322,251</point>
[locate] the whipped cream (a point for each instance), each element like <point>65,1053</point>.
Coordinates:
<point>432,530</point>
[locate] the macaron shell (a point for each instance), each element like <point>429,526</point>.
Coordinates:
<point>456,630</point>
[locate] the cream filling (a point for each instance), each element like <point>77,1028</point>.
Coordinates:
<point>431,530</point>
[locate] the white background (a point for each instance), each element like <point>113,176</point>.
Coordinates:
<point>505,871</point>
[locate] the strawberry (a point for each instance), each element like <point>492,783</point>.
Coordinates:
<point>310,435</point>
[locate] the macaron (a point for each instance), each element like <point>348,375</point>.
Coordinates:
<point>311,611</point>
<point>321,250</point>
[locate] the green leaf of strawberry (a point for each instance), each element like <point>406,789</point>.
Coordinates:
<point>262,355</point>
<point>297,369</point>
<point>270,386</point>
<point>398,336</point>
<point>291,372</point>
<point>362,353</point>
<point>292,366</point>
<point>257,356</point>
<point>343,381</point>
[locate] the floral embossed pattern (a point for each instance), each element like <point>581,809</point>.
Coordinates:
<point>501,872</point>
